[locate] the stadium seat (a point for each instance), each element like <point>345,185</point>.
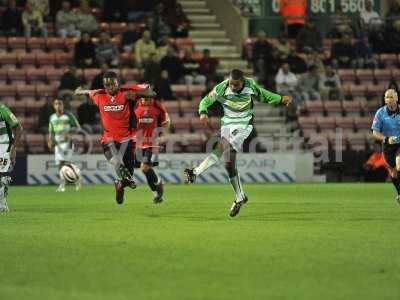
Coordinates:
<point>355,90</point>
<point>194,142</point>
<point>172,106</point>
<point>196,90</point>
<point>357,140</point>
<point>55,44</point>
<point>354,107</point>
<point>26,59</point>
<point>199,127</point>
<point>8,59</point>
<point>314,106</point>
<point>376,90</point>
<point>17,107</point>
<point>189,108</point>
<point>17,75</point>
<point>64,59</point>
<point>35,143</point>
<point>129,74</point>
<point>345,123</point>
<point>366,76</point>
<point>184,42</point>
<point>3,44</point>
<point>395,73</point>
<point>326,123</point>
<point>33,106</point>
<point>180,90</point>
<point>373,105</point>
<point>95,145</point>
<point>182,125</point>
<point>118,27</point>
<point>382,75</point>
<point>70,44</point>
<point>104,26</point>
<point>333,107</point>
<point>26,91</point>
<point>347,75</point>
<point>90,73</point>
<point>46,59</point>
<point>44,89</point>
<point>389,59</point>
<point>8,90</point>
<point>363,123</point>
<point>4,76</point>
<point>17,43</point>
<point>53,74</point>
<point>34,75</point>
<point>38,43</point>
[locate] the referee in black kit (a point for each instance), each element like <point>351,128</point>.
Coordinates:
<point>386,128</point>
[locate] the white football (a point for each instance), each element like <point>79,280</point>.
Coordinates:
<point>70,173</point>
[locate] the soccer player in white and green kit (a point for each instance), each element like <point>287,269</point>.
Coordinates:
<point>10,134</point>
<point>61,125</point>
<point>236,95</point>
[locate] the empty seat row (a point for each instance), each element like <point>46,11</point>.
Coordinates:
<point>355,107</point>
<point>321,123</point>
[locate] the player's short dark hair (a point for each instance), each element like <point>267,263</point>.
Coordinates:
<point>236,74</point>
<point>58,99</point>
<point>110,75</point>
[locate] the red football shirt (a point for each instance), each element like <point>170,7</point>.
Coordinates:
<point>149,116</point>
<point>115,112</point>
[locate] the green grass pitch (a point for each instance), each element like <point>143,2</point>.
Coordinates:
<point>292,241</point>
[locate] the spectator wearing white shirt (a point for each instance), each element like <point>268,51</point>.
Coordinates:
<point>370,18</point>
<point>286,81</point>
<point>66,20</point>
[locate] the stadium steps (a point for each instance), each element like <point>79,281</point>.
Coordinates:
<point>207,33</point>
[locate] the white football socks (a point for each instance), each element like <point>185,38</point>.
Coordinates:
<point>237,187</point>
<point>208,162</point>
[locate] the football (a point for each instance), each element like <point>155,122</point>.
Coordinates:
<point>70,173</point>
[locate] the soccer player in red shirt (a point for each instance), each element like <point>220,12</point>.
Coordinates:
<point>150,115</point>
<point>115,111</point>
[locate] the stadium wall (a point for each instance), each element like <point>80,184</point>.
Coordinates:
<point>254,168</point>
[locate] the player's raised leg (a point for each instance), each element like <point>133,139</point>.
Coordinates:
<point>154,182</point>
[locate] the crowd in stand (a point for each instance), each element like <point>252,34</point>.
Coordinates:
<point>152,27</point>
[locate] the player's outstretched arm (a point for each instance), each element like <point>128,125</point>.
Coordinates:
<point>379,136</point>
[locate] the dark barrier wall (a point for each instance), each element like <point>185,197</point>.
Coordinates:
<point>20,170</point>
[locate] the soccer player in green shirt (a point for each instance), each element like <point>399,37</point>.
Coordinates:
<point>10,134</point>
<point>61,125</point>
<point>236,95</point>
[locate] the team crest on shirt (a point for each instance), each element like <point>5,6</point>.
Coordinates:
<point>112,99</point>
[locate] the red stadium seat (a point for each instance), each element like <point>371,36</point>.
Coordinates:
<point>3,43</point>
<point>199,127</point>
<point>34,75</point>
<point>377,90</point>
<point>347,75</point>
<point>389,59</point>
<point>357,140</point>
<point>103,26</point>
<point>17,43</point>
<point>196,90</point>
<point>43,90</point>
<point>17,107</point>
<point>8,59</point>
<point>17,75</point>
<point>130,74</point>
<point>172,107</point>
<point>355,90</point>
<point>64,59</point>
<point>8,90</point>
<point>56,44</point>
<point>118,27</point>
<point>46,59</point>
<point>345,122</point>
<point>194,142</point>
<point>373,105</point>
<point>36,43</point>
<point>363,123</point>
<point>326,123</point>
<point>366,76</point>
<point>382,75</point>
<point>70,43</point>
<point>353,108</point>
<point>34,106</point>
<point>182,125</point>
<point>27,59</point>
<point>26,91</point>
<point>53,74</point>
<point>314,106</point>
<point>36,143</point>
<point>180,90</point>
<point>89,74</point>
<point>3,76</point>
<point>189,108</point>
<point>333,107</point>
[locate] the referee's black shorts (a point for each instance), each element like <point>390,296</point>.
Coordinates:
<point>390,152</point>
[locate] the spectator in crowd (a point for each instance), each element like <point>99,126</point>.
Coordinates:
<point>152,70</point>
<point>264,59</point>
<point>86,21</point>
<point>66,21</point>
<point>137,10</point>
<point>286,81</point>
<point>309,84</point>
<point>163,87</point>
<point>88,116</point>
<point>173,65</point>
<point>85,52</point>
<point>309,38</point>
<point>32,21</point>
<point>130,37</point>
<point>375,168</point>
<point>341,24</point>
<point>165,44</point>
<point>114,11</point>
<point>68,83</point>
<point>392,34</point>
<point>11,24</point>
<point>43,7</point>
<point>160,25</point>
<point>208,65</point>
<point>143,48</point>
<point>342,53</point>
<point>97,82</point>
<point>106,51</point>
<point>44,115</point>
<point>330,86</point>
<point>191,69</point>
<point>178,22</point>
<point>294,13</point>
<point>283,47</point>
<point>314,58</point>
<point>363,56</point>
<point>297,63</point>
<point>371,20</point>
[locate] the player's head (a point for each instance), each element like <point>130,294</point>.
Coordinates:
<point>391,98</point>
<point>236,80</point>
<point>58,106</point>
<point>110,82</point>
